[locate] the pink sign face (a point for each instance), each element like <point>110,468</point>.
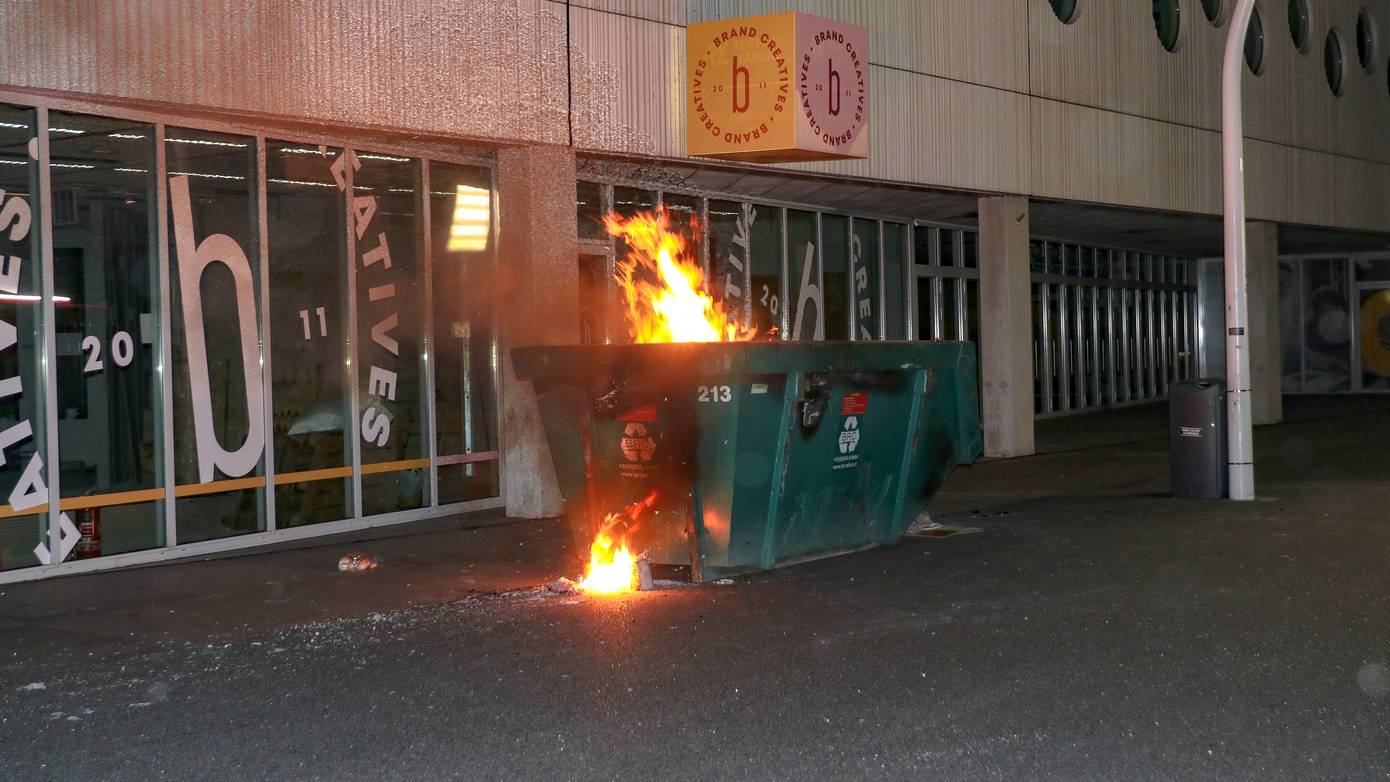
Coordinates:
<point>832,83</point>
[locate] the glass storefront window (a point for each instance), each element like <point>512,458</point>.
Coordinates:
<point>768,291</point>
<point>803,264</point>
<point>463,284</point>
<point>588,202</point>
<point>105,282</point>
<point>835,277</point>
<point>864,275</point>
<point>729,247</point>
<point>23,517</point>
<point>307,240</point>
<point>894,301</point>
<point>214,276</point>
<point>389,257</point>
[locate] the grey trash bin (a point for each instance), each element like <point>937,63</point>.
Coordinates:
<point>1197,436</point>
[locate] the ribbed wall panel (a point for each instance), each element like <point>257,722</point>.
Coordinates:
<point>978,41</point>
<point>493,69</point>
<point>629,84</point>
<point>1110,58</point>
<point>928,129</point>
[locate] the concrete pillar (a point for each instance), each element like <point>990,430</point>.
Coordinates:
<point>539,305</point>
<point>1006,327</point>
<point>1262,299</point>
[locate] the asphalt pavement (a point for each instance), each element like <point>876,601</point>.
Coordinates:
<point>1094,628</point>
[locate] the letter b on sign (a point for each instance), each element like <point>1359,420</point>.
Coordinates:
<point>740,71</point>
<point>832,85</point>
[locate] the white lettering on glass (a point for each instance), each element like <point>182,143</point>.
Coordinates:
<point>810,294</point>
<point>193,259</point>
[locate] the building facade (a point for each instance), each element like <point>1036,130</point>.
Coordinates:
<point>264,261</point>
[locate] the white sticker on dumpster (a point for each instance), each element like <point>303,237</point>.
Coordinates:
<point>1191,431</point>
<point>849,443</point>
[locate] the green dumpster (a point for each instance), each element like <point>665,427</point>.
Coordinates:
<point>749,455</point>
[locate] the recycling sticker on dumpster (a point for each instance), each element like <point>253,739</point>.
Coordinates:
<point>637,441</point>
<point>849,444</point>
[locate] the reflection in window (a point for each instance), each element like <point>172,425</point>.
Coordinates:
<point>105,271</point>
<point>728,256</point>
<point>894,301</point>
<point>1255,43</point>
<point>1332,61</point>
<point>588,204</point>
<point>1298,24</point>
<point>305,214</point>
<point>1365,41</point>
<point>465,351</point>
<point>1167,18</point>
<point>391,322</point>
<point>219,421</point>
<point>835,257</point>
<point>22,408</point>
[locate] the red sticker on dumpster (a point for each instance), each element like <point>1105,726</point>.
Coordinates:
<point>646,414</point>
<point>856,403</point>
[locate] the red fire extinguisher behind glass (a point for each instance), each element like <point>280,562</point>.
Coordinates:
<point>89,524</point>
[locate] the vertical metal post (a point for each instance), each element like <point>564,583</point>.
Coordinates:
<point>1064,336</point>
<point>850,292</point>
<point>1126,327</point>
<point>958,286</point>
<point>818,258</point>
<point>350,309</point>
<point>882,287</point>
<point>165,364</point>
<point>909,279</point>
<point>1240,451</point>
<point>263,259</point>
<point>1112,374</point>
<point>1096,398</point>
<point>938,330</point>
<point>1045,341</point>
<point>48,363</point>
<point>787,294</point>
<point>427,339</point>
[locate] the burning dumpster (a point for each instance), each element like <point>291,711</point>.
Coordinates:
<point>734,456</point>
<point>704,444</point>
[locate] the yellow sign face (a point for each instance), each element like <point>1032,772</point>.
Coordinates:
<point>777,87</point>
<point>740,88</point>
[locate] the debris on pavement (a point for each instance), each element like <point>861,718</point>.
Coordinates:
<point>563,586</point>
<point>644,573</point>
<point>31,686</point>
<point>359,563</point>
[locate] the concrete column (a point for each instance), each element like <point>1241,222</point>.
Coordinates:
<point>1006,327</point>
<point>1262,300</point>
<point>539,305</point>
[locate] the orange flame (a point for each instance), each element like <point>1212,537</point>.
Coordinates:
<point>667,296</point>
<point>612,570</point>
<point>612,566</point>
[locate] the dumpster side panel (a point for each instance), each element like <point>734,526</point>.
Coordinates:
<point>842,473</point>
<point>737,458</point>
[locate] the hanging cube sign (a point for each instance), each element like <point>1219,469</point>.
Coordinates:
<point>777,88</point>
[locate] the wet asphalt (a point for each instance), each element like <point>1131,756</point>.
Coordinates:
<point>1093,628</point>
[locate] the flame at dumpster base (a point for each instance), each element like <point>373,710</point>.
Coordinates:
<point>667,295</point>
<point>612,567</point>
